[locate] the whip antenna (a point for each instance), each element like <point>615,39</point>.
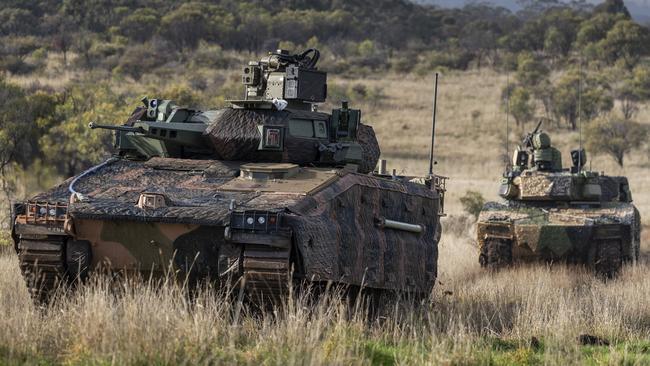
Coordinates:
<point>580,115</point>
<point>508,120</point>
<point>433,124</point>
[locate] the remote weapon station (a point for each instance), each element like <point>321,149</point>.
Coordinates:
<point>556,214</point>
<point>266,191</point>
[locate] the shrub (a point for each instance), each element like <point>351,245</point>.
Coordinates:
<point>472,203</point>
<point>615,137</point>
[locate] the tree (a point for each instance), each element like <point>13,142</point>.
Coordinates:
<point>595,28</point>
<point>140,25</point>
<point>626,43</point>
<point>21,124</point>
<point>516,101</point>
<point>194,21</point>
<point>472,203</point>
<point>531,71</point>
<point>533,74</point>
<point>15,21</point>
<point>14,129</point>
<point>555,43</point>
<point>632,89</point>
<point>580,95</point>
<point>628,98</point>
<point>69,144</point>
<point>615,137</point>
<point>613,7</point>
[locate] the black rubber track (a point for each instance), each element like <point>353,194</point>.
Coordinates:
<point>266,272</point>
<point>496,253</point>
<point>42,262</point>
<point>609,259</point>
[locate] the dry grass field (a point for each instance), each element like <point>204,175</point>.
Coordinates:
<point>521,316</point>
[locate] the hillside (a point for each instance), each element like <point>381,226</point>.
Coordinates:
<point>639,9</point>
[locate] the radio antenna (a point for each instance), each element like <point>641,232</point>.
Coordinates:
<point>508,120</point>
<point>580,115</point>
<point>433,124</point>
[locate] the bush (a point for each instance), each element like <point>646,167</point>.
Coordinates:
<point>138,60</point>
<point>472,203</point>
<point>615,137</point>
<point>16,65</point>
<point>440,60</point>
<point>210,55</point>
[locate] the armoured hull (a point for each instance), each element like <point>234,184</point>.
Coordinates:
<point>220,220</point>
<point>599,235</point>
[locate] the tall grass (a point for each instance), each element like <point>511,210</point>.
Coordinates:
<point>523,315</point>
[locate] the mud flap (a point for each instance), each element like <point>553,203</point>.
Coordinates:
<point>78,257</point>
<point>496,253</point>
<point>608,256</point>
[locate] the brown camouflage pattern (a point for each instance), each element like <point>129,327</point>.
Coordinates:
<point>331,218</point>
<point>549,221</point>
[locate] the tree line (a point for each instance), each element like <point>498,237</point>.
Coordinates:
<point>378,34</point>
<point>567,61</point>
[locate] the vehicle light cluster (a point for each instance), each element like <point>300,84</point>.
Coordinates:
<point>45,211</point>
<point>255,220</point>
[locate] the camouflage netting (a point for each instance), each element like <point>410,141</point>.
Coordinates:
<point>335,229</point>
<point>370,148</point>
<point>234,132</point>
<point>235,136</point>
<point>342,219</point>
<point>190,187</point>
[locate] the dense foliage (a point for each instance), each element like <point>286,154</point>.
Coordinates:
<point>136,36</point>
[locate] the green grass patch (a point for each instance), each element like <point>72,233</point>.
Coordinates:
<point>9,357</point>
<point>380,353</point>
<point>624,353</point>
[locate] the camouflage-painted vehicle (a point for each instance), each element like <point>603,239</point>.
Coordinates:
<point>555,214</point>
<point>262,190</point>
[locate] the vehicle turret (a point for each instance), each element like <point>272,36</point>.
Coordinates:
<point>276,121</point>
<point>256,197</point>
<point>537,174</point>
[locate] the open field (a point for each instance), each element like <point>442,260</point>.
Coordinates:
<point>528,315</point>
<point>520,316</point>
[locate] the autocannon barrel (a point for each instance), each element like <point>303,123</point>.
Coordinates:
<point>94,125</point>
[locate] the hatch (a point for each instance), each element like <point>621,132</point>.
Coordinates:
<point>266,171</point>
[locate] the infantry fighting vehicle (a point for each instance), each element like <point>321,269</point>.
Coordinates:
<point>556,214</point>
<point>255,193</point>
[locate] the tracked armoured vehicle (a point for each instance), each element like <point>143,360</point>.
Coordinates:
<point>555,214</point>
<point>253,194</point>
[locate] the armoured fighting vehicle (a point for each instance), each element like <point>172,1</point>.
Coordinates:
<point>555,214</point>
<point>259,193</point>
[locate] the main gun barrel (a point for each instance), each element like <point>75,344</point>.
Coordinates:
<point>94,125</point>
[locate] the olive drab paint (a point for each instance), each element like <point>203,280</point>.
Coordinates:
<point>557,214</point>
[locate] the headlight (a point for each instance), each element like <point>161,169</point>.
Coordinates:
<point>255,220</point>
